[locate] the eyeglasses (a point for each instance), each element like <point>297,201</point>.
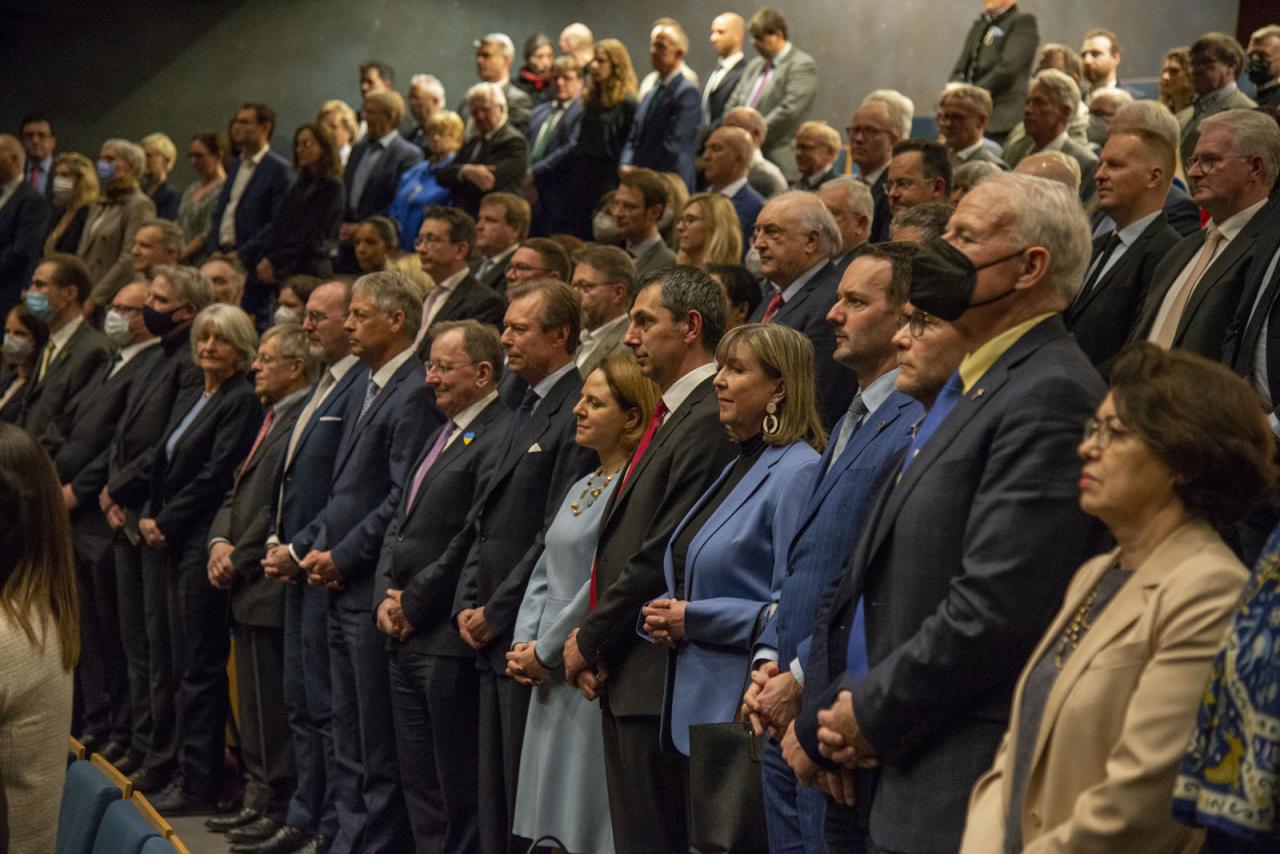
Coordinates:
<point>901,184</point>
<point>917,323</point>
<point>429,240</point>
<point>317,317</point>
<point>864,130</point>
<point>267,361</point>
<point>445,367</point>
<point>521,267</point>
<point>1104,431</point>
<point>1209,162</point>
<point>690,219</point>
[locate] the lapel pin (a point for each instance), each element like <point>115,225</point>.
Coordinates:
<point>881,426</point>
<point>977,394</point>
<point>468,437</point>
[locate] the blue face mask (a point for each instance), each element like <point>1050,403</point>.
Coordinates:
<point>106,170</point>
<point>38,305</point>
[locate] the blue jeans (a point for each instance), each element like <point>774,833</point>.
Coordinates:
<point>793,813</point>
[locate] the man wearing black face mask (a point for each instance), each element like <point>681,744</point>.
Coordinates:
<point>1263,66</point>
<point>944,622</point>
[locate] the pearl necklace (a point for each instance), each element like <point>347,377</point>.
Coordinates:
<point>592,490</point>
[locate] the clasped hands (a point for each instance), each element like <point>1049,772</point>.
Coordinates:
<point>771,701</point>
<point>840,740</point>
<point>391,618</point>
<point>589,681</point>
<point>664,620</point>
<point>476,631</point>
<point>524,666</point>
<point>483,176</point>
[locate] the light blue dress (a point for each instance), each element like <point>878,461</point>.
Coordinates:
<point>561,790</point>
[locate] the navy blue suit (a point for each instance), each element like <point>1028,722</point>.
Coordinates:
<point>369,472</point>
<point>748,203</point>
<point>308,691</point>
<point>258,208</point>
<point>24,219</point>
<point>554,172</point>
<point>379,187</point>
<point>835,507</point>
<point>665,130</point>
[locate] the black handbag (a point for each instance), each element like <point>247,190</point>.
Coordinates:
<point>726,796</point>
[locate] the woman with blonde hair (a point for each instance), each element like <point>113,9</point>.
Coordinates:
<point>341,121</point>
<point>39,644</point>
<point>161,154</point>
<point>75,189</point>
<point>419,187</point>
<point>708,231</point>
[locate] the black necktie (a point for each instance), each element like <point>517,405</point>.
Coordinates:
<point>521,419</point>
<point>1108,247</point>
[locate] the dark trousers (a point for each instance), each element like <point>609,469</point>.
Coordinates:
<point>434,698</point>
<point>793,813</point>
<point>647,787</point>
<point>371,814</point>
<point>102,682</point>
<point>504,707</point>
<point>144,610</point>
<point>201,641</point>
<point>264,731</point>
<point>308,693</point>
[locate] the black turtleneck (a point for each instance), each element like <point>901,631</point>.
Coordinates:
<point>749,453</point>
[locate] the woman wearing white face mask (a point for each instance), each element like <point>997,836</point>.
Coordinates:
<point>24,336</point>
<point>293,296</point>
<point>75,188</point>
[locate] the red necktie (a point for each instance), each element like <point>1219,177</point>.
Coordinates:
<point>262,434</point>
<point>659,412</point>
<point>772,308</point>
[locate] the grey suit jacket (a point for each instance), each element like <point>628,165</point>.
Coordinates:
<point>108,236</point>
<point>1189,119</point>
<point>47,413</point>
<point>784,102</point>
<point>656,257</point>
<point>609,344</point>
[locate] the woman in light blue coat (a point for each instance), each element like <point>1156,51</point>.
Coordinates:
<point>561,790</point>
<point>728,553</point>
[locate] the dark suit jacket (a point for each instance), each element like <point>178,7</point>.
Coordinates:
<point>470,300</point>
<point>384,177</point>
<point>1209,312</point>
<point>24,221</point>
<point>495,279</point>
<point>1182,213</point>
<point>1102,319</point>
<point>47,412</point>
<point>187,488</point>
<point>982,154</point>
<point>1000,62</point>
<point>665,130</point>
<point>554,172</point>
<point>1258,303</point>
<point>507,152</point>
<point>717,98</point>
<point>420,533</point>
<point>748,203</point>
<point>951,616</point>
<point>302,238</point>
<point>685,457</point>
<point>368,473</point>
<point>806,311</point>
<point>166,198</point>
<point>501,544</point>
<point>259,206</point>
<point>784,102</point>
<point>882,217</point>
<point>813,182</point>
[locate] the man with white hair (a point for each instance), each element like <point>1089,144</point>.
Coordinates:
<point>916,652</point>
<point>426,97</point>
<point>494,53</point>
<point>24,216</point>
<point>1051,103</point>
<point>1195,293</point>
<point>817,145</point>
<point>764,175</point>
<point>880,122</point>
<point>849,201</point>
<point>796,237</point>
<point>496,156</point>
<point>964,111</point>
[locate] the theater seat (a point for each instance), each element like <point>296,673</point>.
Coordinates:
<point>156,845</point>
<point>124,830</point>
<point>86,794</point>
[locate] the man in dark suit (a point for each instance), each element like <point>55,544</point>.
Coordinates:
<point>494,54</point>
<point>1195,293</point>
<point>880,122</point>
<point>72,354</point>
<point>796,236</point>
<point>865,446</point>
<point>1216,61</point>
<point>665,129</point>
<point>638,205</point>
<point>373,169</point>
<point>964,111</point>
<point>251,199</point>
<point>997,55</point>
<point>445,243</point>
<point>919,172</point>
<point>851,206</point>
<point>677,320</point>
<point>781,83</point>
<point>174,296</point>
<point>40,145</point>
<point>1134,175</point>
<point>726,158</point>
<point>499,546</point>
<point>494,158</point>
<point>24,218</point>
<point>384,430</point>
<point>101,678</point>
<point>816,148</point>
<point>925,636</point>
<point>237,545</point>
<point>304,475</point>
<point>553,135</point>
<point>1051,103</point>
<point>434,680</point>
<point>503,222</point>
<point>727,33</point>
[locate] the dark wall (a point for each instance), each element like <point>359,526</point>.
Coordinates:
<point>125,69</point>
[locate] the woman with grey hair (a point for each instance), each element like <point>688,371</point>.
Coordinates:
<point>114,221</point>
<point>210,433</point>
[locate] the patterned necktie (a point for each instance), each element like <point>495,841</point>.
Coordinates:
<point>370,394</point>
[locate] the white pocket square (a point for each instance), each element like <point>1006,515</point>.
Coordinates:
<point>535,448</point>
<point>330,417</point>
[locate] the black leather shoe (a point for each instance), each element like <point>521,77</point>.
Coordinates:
<point>150,781</point>
<point>113,751</point>
<point>284,841</point>
<point>318,844</point>
<point>258,830</point>
<point>128,763</point>
<point>91,741</point>
<point>223,823</point>
<point>175,801</point>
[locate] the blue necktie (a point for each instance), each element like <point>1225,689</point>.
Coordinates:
<point>947,399</point>
<point>855,662</point>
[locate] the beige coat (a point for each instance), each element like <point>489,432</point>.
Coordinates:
<point>1118,718</point>
<point>108,236</point>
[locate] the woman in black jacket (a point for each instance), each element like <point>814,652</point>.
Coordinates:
<point>303,237</point>
<point>608,107</point>
<point>209,435</point>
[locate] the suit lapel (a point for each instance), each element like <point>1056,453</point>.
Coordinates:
<point>539,422</point>
<point>280,430</point>
<point>358,423</point>
<point>1223,264</point>
<point>204,413</point>
<point>747,487</point>
<point>1132,256</point>
<point>452,455</point>
<point>793,305</point>
<point>1176,263</point>
<point>339,393</point>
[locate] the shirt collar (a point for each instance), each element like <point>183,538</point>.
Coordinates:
<point>466,416</point>
<point>729,61</point>
<point>683,387</point>
<point>1215,97</point>
<point>257,158</point>
<point>491,134</point>
<point>451,283</point>
<point>790,290</point>
<point>284,402</point>
<point>385,141</point>
<point>975,365</point>
<point>731,189</point>
<point>544,385</point>
<point>879,390</point>
<point>60,338</point>
<point>339,368</point>
<point>387,371</point>
<point>128,351</point>
<point>638,249</point>
<point>1234,224</point>
<point>966,153</point>
<point>1056,143</point>
<point>874,175</point>
<point>670,78</point>
<point>1133,230</point>
<point>503,255</point>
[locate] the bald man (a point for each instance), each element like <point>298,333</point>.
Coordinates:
<point>24,216</point>
<point>1052,166</point>
<point>726,159</point>
<point>727,33</point>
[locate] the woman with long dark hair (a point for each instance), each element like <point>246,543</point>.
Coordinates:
<point>303,237</point>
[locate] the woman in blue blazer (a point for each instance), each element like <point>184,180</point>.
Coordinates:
<point>722,562</point>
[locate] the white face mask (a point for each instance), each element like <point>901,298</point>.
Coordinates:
<point>284,314</point>
<point>752,263</point>
<point>17,349</point>
<point>116,327</point>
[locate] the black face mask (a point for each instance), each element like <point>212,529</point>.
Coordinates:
<point>1258,71</point>
<point>943,280</point>
<point>158,323</point>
